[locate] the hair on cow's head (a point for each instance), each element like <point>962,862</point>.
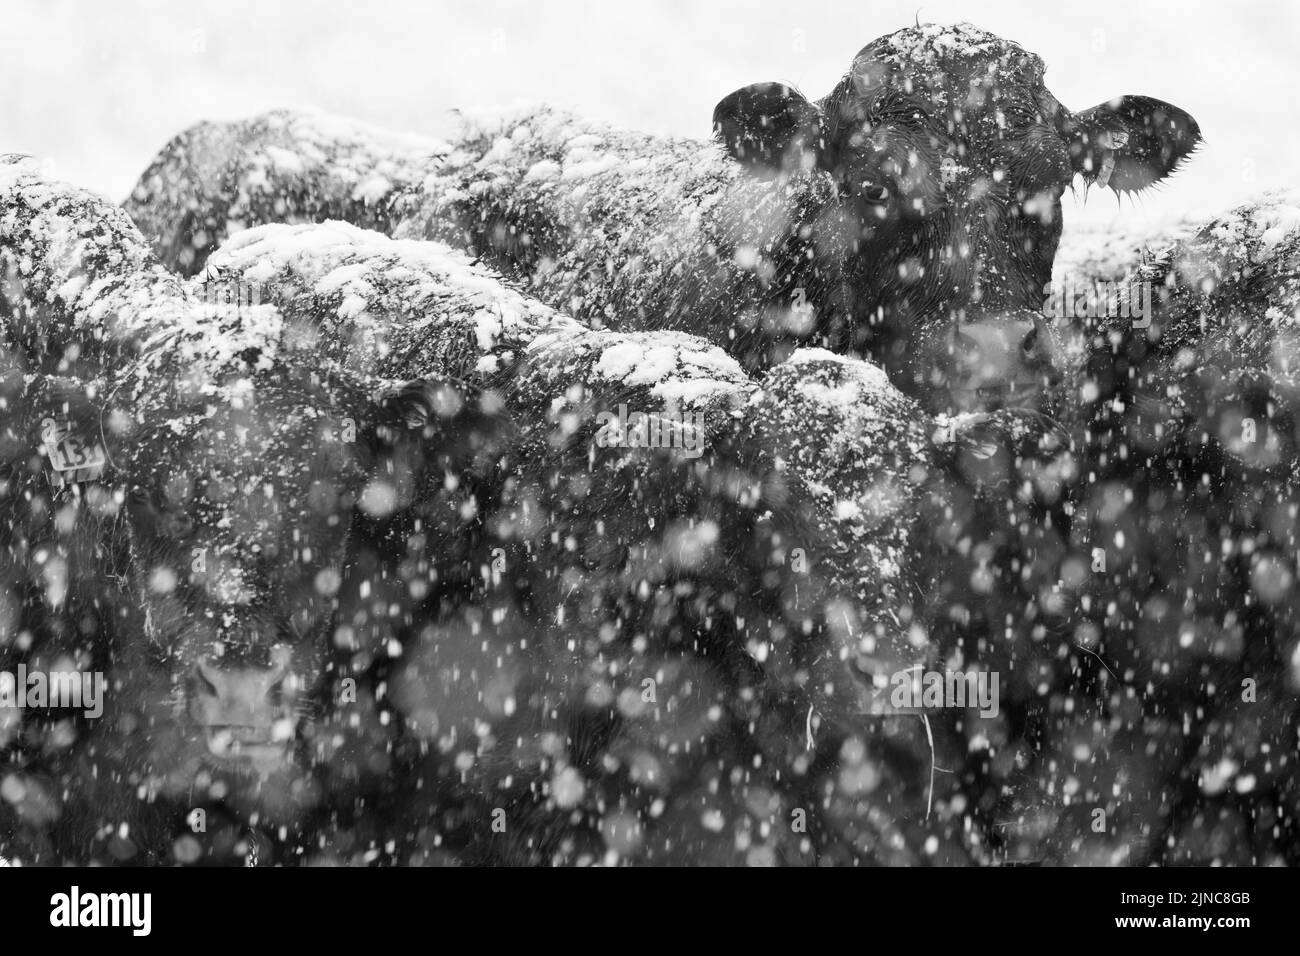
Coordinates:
<point>1127,143</point>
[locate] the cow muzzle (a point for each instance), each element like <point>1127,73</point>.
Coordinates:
<point>242,716</point>
<point>1001,362</point>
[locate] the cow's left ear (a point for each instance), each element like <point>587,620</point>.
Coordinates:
<point>1130,142</point>
<point>770,127</point>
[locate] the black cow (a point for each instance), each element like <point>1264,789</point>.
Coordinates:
<point>912,213</point>
<point>226,430</point>
<point>952,156</point>
<point>195,483</point>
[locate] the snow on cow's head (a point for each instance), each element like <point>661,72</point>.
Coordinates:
<point>951,157</point>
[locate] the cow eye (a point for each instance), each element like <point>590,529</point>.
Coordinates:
<point>178,524</point>
<point>206,684</point>
<point>875,194</point>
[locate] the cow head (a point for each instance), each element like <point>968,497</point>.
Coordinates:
<point>951,157</point>
<point>238,500</point>
<point>239,508</point>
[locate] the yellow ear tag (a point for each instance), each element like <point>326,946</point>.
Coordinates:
<point>73,457</point>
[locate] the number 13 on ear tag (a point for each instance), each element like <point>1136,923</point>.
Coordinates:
<point>73,457</point>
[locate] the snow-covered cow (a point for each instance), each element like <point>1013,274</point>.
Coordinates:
<point>218,178</point>
<point>912,213</point>
<point>752,563</point>
<point>1180,563</point>
<point>554,573</point>
<point>222,457</point>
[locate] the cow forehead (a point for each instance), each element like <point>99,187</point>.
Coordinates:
<point>957,67</point>
<point>279,418</point>
<point>251,657</point>
<point>241,518</point>
<point>959,48</point>
<point>271,451</point>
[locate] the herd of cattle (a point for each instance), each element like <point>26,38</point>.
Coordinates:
<point>308,447</point>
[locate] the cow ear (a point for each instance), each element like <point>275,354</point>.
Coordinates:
<point>63,430</point>
<point>1130,142</point>
<point>770,127</point>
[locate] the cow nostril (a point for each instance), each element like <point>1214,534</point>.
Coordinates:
<point>875,194</point>
<point>1029,345</point>
<point>207,680</point>
<point>963,344</point>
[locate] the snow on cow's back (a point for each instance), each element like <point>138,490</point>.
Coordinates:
<point>848,420</point>
<point>860,455</point>
<point>1237,271</point>
<point>87,286</point>
<point>281,166</point>
<point>1271,217</point>
<point>674,370</point>
<point>385,309</point>
<point>91,289</point>
<point>393,307</point>
<point>611,225</point>
<point>1261,236</point>
<point>1107,252</point>
<point>74,270</point>
<point>537,143</point>
<point>14,165</point>
<point>603,171</point>
<point>1222,359</point>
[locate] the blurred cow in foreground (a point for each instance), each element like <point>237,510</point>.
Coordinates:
<point>242,457</point>
<point>230,459</point>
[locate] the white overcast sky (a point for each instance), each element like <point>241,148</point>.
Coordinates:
<point>98,88</point>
